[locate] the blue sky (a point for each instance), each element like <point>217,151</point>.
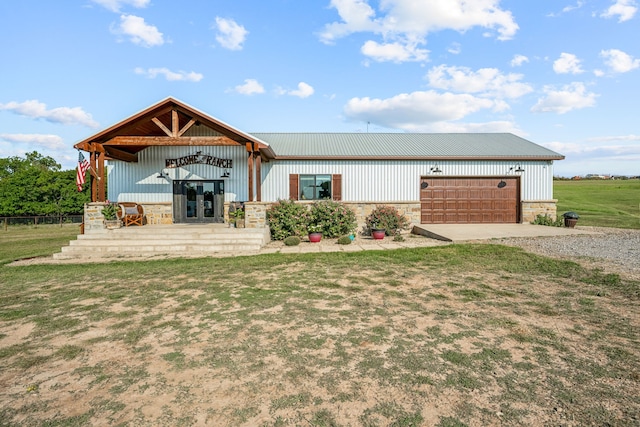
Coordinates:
<point>563,74</point>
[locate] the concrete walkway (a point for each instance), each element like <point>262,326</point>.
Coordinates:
<point>429,235</point>
<point>466,232</point>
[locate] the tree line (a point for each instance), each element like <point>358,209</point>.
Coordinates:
<point>36,185</point>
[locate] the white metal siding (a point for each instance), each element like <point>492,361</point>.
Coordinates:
<point>139,182</point>
<point>397,180</point>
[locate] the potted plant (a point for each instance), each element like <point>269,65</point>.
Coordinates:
<point>237,217</point>
<point>377,233</point>
<point>570,219</point>
<point>315,233</point>
<point>110,214</point>
<point>385,220</point>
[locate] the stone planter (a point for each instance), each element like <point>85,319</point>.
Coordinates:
<point>111,224</point>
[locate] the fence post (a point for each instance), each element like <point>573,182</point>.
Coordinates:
<point>35,222</point>
<point>6,224</point>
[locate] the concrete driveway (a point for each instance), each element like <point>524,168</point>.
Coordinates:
<point>465,232</point>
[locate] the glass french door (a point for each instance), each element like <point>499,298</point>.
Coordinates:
<point>198,201</point>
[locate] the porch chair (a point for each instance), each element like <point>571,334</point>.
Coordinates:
<point>131,213</point>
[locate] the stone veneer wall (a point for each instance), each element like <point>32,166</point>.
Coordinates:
<point>158,213</point>
<point>533,208</point>
<point>155,214</point>
<point>256,212</point>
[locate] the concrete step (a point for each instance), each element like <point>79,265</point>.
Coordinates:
<point>176,241</point>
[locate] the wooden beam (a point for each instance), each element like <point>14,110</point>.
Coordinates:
<point>162,126</point>
<point>101,178</point>
<point>118,154</point>
<point>94,179</point>
<point>96,147</point>
<point>186,127</point>
<point>175,123</point>
<point>146,141</point>
<point>250,167</point>
<point>85,146</point>
<point>258,176</point>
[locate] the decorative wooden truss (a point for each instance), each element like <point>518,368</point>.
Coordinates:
<point>165,124</point>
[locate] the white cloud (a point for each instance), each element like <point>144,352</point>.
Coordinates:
<point>485,81</point>
<point>600,151</point>
<point>617,138</point>
<point>304,91</point>
<point>518,60</point>
<point>116,5</point>
<point>47,141</point>
<point>38,110</point>
<point>408,22</point>
<point>138,31</point>
<point>570,97</point>
<point>169,75</point>
<point>457,127</point>
<point>568,9</point>
<point>415,110</point>
<point>455,49</point>
<point>250,87</point>
<point>619,61</point>
<point>567,64</point>
<point>230,34</point>
<point>623,9</point>
<point>396,52</point>
<point>357,16</point>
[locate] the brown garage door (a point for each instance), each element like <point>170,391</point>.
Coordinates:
<point>469,200</point>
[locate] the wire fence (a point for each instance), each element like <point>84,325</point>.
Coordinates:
<point>35,221</point>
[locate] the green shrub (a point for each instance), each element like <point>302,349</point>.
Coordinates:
<point>386,217</point>
<point>344,240</point>
<point>547,220</point>
<point>398,238</point>
<point>332,218</point>
<point>292,241</point>
<point>287,218</point>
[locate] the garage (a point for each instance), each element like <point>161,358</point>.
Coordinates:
<point>469,200</point>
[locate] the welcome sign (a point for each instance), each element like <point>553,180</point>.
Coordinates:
<point>199,158</point>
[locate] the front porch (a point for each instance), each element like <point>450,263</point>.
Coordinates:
<point>161,213</point>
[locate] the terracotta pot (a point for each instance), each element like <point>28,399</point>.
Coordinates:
<point>378,234</point>
<point>315,237</point>
<point>570,222</point>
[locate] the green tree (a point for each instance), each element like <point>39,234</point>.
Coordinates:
<point>35,185</point>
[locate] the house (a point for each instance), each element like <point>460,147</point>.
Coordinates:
<point>185,166</point>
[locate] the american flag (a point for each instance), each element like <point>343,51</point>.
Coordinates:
<point>83,166</point>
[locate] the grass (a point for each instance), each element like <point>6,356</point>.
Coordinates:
<point>473,334</point>
<point>19,242</point>
<point>604,203</point>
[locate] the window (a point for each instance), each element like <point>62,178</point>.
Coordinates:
<point>315,187</point>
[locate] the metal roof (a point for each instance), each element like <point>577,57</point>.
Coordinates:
<point>404,146</point>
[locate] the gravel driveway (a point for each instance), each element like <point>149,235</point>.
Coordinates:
<point>612,249</point>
